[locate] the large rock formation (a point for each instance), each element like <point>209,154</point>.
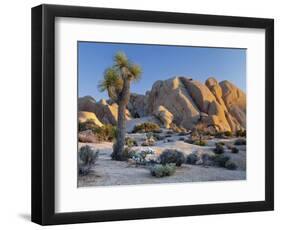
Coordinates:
<point>138,105</point>
<point>105,112</point>
<point>224,105</point>
<point>173,95</point>
<point>235,101</point>
<point>84,116</point>
<point>217,91</point>
<point>164,115</point>
<point>182,102</point>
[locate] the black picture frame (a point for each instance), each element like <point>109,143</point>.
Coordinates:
<point>43,114</point>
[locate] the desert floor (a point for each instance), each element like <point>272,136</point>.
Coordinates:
<point>109,172</point>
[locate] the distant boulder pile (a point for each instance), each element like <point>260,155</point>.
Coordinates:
<point>179,101</point>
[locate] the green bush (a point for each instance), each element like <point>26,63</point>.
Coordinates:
<point>87,125</point>
<point>158,137</point>
<point>169,156</point>
<point>228,133</point>
<point>234,149</point>
<point>169,132</point>
<point>87,155</point>
<point>87,158</point>
<point>106,132</point>
<point>146,127</point>
<point>127,153</point>
<point>219,134</point>
<point>182,134</point>
<point>200,143</point>
<point>221,160</point>
<point>140,157</point>
<point>219,149</point>
<point>130,142</point>
<point>162,170</point>
<point>192,159</point>
<point>241,133</point>
<point>230,165</point>
<point>240,142</point>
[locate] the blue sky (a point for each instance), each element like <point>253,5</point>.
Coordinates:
<point>159,62</point>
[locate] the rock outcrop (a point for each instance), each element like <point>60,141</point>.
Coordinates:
<point>84,116</point>
<point>164,115</point>
<point>173,95</point>
<point>217,91</point>
<point>235,101</point>
<point>180,102</point>
<point>105,112</point>
<point>138,105</point>
<point>223,105</point>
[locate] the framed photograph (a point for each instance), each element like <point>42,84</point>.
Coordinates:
<point>142,114</point>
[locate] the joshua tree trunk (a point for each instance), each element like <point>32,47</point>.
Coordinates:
<point>121,123</point>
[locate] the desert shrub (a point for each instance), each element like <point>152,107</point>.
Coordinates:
<point>146,127</point>
<point>221,159</point>
<point>168,135</point>
<point>169,156</point>
<point>192,159</point>
<point>200,143</point>
<point>221,143</point>
<point>230,165</point>
<point>170,140</point>
<point>87,158</point>
<point>207,133</point>
<point>169,132</point>
<point>219,134</point>
<point>219,149</point>
<point>106,132</point>
<point>158,137</point>
<point>158,131</point>
<point>87,125</point>
<point>228,133</point>
<point>130,142</point>
<point>241,133</point>
<point>234,149</point>
<point>181,139</point>
<point>140,157</point>
<point>240,142</point>
<point>162,170</point>
<point>149,135</point>
<point>182,134</point>
<point>87,155</point>
<point>148,143</point>
<point>189,141</point>
<point>127,153</point>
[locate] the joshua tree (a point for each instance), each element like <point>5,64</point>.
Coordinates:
<point>116,81</point>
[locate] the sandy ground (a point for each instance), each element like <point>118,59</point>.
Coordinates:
<point>109,172</point>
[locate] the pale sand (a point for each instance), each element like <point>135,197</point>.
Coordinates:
<point>109,172</point>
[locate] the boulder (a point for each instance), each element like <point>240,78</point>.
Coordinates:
<point>164,116</point>
<point>217,91</point>
<point>200,94</point>
<point>84,116</point>
<point>105,112</point>
<point>138,105</point>
<point>173,95</point>
<point>86,103</point>
<point>235,101</point>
